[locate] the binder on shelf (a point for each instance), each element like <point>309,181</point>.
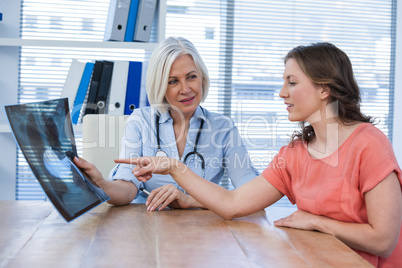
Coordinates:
<point>145,17</point>
<point>104,86</point>
<point>93,88</point>
<point>118,86</point>
<point>117,20</point>
<point>131,21</point>
<point>133,90</point>
<point>82,92</point>
<point>72,82</point>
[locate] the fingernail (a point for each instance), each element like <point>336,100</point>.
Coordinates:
<point>136,172</point>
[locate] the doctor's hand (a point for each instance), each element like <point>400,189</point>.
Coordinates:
<point>145,166</point>
<point>161,197</point>
<point>90,169</point>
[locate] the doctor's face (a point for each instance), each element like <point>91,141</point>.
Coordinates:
<point>184,91</point>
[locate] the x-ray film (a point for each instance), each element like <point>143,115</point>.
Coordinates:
<point>44,133</point>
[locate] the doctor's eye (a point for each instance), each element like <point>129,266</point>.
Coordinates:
<point>173,81</point>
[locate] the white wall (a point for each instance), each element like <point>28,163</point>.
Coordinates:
<point>9,28</point>
<point>397,134</point>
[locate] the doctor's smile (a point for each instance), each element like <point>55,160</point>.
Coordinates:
<point>188,100</point>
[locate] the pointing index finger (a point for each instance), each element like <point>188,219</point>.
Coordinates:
<point>133,161</point>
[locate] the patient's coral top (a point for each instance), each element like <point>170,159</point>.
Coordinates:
<point>335,186</point>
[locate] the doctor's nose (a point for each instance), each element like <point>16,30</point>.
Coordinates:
<point>185,88</point>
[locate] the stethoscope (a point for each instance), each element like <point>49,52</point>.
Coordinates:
<point>161,152</point>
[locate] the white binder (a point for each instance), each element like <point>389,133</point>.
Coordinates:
<point>72,82</point>
<point>118,86</point>
<point>145,17</point>
<point>117,20</point>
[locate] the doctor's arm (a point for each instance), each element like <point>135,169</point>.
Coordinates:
<point>236,159</point>
<point>120,192</point>
<point>120,188</point>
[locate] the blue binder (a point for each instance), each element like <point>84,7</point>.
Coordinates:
<point>133,91</point>
<point>131,21</point>
<point>82,92</point>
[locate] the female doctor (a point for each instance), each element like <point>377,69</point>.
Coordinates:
<point>177,126</point>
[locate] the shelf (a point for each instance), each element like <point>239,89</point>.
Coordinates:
<point>18,42</point>
<point>22,42</point>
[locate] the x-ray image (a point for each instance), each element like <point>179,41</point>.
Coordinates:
<point>44,133</point>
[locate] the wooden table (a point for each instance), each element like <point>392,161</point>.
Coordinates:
<point>33,234</point>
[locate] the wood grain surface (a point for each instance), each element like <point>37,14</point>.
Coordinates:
<point>33,234</point>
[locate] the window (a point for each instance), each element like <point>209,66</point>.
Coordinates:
<point>43,70</point>
<point>242,43</point>
<point>250,39</point>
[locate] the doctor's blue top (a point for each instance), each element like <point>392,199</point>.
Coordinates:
<point>220,144</point>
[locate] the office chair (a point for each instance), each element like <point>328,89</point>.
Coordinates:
<point>101,140</point>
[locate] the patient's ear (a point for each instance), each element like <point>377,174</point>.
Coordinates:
<point>325,92</point>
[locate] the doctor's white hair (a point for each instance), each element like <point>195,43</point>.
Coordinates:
<point>159,65</point>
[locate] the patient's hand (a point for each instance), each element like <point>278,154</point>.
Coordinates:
<point>145,166</point>
<point>299,220</point>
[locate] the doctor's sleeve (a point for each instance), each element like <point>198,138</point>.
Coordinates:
<point>236,159</point>
<point>131,146</point>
